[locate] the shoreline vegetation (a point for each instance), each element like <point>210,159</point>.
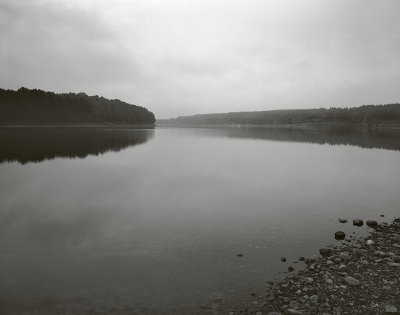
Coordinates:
<point>26,107</point>
<point>366,117</point>
<point>359,276</point>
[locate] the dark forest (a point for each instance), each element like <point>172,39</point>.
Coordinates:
<point>37,107</point>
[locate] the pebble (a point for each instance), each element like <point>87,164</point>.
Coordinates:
<point>345,256</point>
<point>294,312</point>
<point>389,308</point>
<point>342,220</point>
<point>293,304</point>
<point>314,299</point>
<point>351,281</point>
<point>392,264</point>
<point>283,259</point>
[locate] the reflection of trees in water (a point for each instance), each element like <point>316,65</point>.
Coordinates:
<point>37,144</point>
<point>389,140</point>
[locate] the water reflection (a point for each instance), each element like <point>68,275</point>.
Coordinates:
<point>156,229</point>
<point>389,140</point>
<point>38,144</point>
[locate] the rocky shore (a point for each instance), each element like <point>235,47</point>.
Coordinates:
<point>360,276</point>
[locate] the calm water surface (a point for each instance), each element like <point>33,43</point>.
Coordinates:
<point>151,221</point>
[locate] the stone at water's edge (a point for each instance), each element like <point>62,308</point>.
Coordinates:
<point>325,251</point>
<point>340,235</point>
<point>371,223</point>
<point>362,277</point>
<point>358,222</point>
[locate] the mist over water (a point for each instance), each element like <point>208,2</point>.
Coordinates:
<point>94,221</point>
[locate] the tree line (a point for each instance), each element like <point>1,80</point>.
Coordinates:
<point>366,115</point>
<point>37,107</point>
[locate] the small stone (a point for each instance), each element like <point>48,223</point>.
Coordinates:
<point>351,281</point>
<point>290,269</point>
<point>392,264</point>
<point>283,259</point>
<point>329,281</point>
<point>396,259</point>
<point>364,262</point>
<point>358,222</point>
<point>370,242</point>
<point>340,235</point>
<point>239,255</point>
<point>293,304</point>
<point>390,308</point>
<point>342,267</point>
<point>371,223</point>
<point>342,220</point>
<point>274,313</point>
<point>291,311</point>
<point>345,255</point>
<point>325,251</point>
<point>308,280</point>
<point>301,258</point>
<point>314,299</point>
<point>357,275</point>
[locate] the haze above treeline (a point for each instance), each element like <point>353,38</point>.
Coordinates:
<point>205,56</point>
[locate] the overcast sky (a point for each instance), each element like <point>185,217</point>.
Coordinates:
<point>182,57</point>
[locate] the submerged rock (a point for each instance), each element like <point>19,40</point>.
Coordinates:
<point>340,235</point>
<point>358,222</point>
<point>325,251</point>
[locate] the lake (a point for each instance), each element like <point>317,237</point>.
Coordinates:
<point>147,221</point>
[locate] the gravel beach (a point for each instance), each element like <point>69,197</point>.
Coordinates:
<point>360,276</point>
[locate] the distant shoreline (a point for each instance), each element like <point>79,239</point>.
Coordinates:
<point>307,126</point>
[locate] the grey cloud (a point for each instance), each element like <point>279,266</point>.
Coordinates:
<point>186,57</point>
